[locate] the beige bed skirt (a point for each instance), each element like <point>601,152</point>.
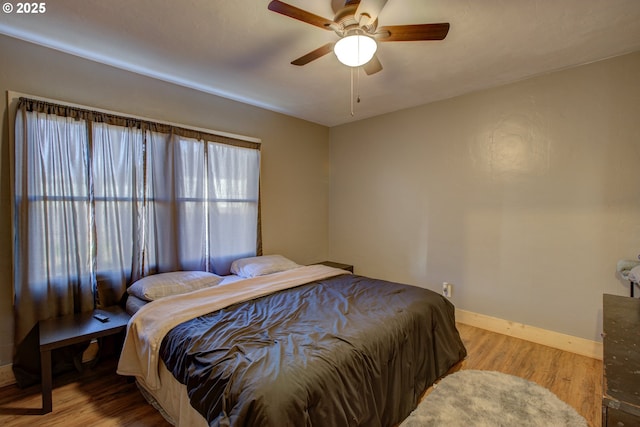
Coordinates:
<point>172,401</point>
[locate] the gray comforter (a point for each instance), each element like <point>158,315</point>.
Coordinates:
<point>343,351</point>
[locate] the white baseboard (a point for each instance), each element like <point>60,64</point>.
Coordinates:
<point>6,375</point>
<point>553,339</point>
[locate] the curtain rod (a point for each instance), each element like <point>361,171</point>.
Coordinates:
<point>133,116</point>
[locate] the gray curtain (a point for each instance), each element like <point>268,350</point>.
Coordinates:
<point>103,200</point>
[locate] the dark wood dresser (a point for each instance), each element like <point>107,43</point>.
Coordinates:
<point>621,361</point>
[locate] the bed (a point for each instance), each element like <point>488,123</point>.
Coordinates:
<point>307,345</point>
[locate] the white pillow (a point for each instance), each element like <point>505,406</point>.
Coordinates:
<point>261,265</point>
<point>178,282</point>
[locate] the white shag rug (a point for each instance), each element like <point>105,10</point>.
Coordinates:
<point>491,399</point>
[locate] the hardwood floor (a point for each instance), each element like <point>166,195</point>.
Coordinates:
<point>575,379</point>
<point>100,397</point>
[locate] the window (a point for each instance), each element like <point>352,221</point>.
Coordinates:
<point>102,200</point>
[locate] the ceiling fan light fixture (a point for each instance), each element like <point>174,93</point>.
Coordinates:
<point>355,50</point>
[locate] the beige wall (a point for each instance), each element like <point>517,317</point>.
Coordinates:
<point>523,196</point>
<point>295,171</point>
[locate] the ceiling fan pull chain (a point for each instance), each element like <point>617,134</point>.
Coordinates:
<point>352,110</point>
<point>358,77</point>
<point>358,86</point>
<point>355,94</point>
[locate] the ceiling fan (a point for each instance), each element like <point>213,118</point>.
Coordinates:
<point>356,23</point>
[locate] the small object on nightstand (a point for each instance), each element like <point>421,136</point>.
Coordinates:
<point>341,266</point>
<point>101,317</point>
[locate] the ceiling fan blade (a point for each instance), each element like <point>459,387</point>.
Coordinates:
<point>314,54</point>
<point>407,33</point>
<point>373,66</point>
<point>371,8</point>
<point>299,14</point>
<point>337,5</point>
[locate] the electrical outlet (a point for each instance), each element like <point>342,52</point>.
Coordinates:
<point>447,288</point>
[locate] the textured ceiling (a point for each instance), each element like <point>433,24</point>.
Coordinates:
<point>241,50</point>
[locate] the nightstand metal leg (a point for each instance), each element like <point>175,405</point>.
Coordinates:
<point>45,364</point>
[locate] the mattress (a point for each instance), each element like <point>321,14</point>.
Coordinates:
<point>312,347</point>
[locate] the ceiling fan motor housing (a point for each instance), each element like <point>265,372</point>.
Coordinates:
<point>348,23</point>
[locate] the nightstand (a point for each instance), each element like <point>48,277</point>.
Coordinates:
<point>72,329</point>
<point>341,266</point>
